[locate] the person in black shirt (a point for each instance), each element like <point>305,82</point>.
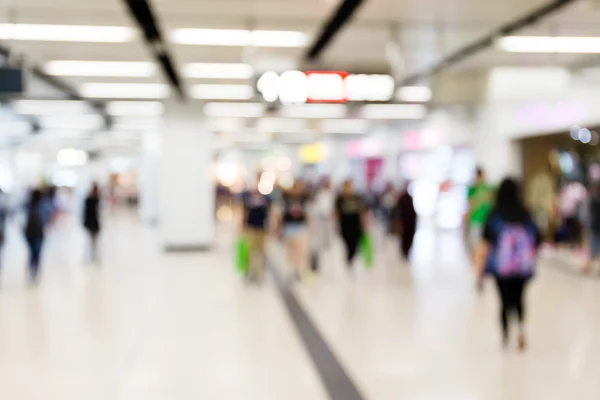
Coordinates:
<point>256,208</point>
<point>404,219</point>
<point>351,212</point>
<point>91,219</point>
<point>294,228</point>
<point>594,227</point>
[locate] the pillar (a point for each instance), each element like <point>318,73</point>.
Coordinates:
<point>187,184</point>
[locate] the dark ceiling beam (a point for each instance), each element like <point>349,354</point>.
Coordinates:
<point>143,14</point>
<point>341,17</point>
<point>55,82</point>
<point>487,41</point>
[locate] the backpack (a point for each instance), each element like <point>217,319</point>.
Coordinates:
<point>514,253</point>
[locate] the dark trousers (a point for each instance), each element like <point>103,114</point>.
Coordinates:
<point>35,252</point>
<point>351,238</point>
<point>406,241</point>
<point>511,292</point>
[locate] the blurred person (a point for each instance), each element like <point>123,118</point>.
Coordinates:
<point>480,197</point>
<point>594,227</point>
<point>255,214</point>
<point>404,221</point>
<point>34,232</point>
<point>352,214</point>
<point>294,226</point>
<point>324,204</point>
<point>508,252</point>
<point>91,220</point>
<point>572,199</point>
<point>48,207</point>
<point>3,218</point>
<point>387,202</point>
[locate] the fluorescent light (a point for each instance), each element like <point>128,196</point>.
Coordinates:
<point>100,68</point>
<point>278,39</point>
<point>51,107</point>
<point>135,108</point>
<point>393,111</point>
<point>218,71</point>
<point>314,111</point>
<point>238,37</point>
<point>240,110</point>
<point>226,124</point>
<point>15,128</point>
<point>550,44</point>
<point>72,157</point>
<point>79,122</point>
<point>66,33</point>
<point>223,92</point>
<point>125,90</point>
<point>349,126</point>
<point>281,125</point>
<point>413,94</point>
<point>136,124</point>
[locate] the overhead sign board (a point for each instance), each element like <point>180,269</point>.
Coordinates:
<point>292,87</point>
<point>11,81</point>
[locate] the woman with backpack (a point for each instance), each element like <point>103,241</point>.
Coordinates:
<point>34,233</point>
<point>508,252</point>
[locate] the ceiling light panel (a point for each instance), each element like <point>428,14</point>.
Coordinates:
<point>51,107</point>
<point>234,110</point>
<point>239,37</point>
<point>550,44</point>
<point>281,125</point>
<point>135,108</point>
<point>345,126</point>
<point>218,71</point>
<point>222,92</point>
<point>393,111</point>
<point>124,90</point>
<point>101,68</point>
<point>80,122</point>
<point>416,94</point>
<point>314,111</point>
<point>67,33</point>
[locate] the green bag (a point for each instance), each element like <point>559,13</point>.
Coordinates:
<point>242,255</point>
<point>366,249</point>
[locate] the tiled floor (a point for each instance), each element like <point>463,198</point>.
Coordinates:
<point>146,325</point>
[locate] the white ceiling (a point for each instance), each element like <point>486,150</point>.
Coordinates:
<point>426,30</point>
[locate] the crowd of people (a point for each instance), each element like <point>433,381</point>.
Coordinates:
<point>306,220</point>
<point>501,233</point>
<point>37,216</point>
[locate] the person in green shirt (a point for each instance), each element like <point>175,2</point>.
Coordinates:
<point>481,200</point>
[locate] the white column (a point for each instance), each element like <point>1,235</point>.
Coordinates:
<point>148,178</point>
<point>496,152</point>
<point>187,184</point>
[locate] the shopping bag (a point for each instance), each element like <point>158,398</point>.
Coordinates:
<point>242,255</point>
<point>366,249</point>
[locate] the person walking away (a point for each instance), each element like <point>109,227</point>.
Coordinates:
<point>324,205</point>
<point>255,215</point>
<point>594,227</point>
<point>3,218</point>
<point>91,220</point>
<point>351,212</point>
<point>294,227</point>
<point>404,221</point>
<point>34,233</point>
<point>508,251</point>
<point>480,197</point>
